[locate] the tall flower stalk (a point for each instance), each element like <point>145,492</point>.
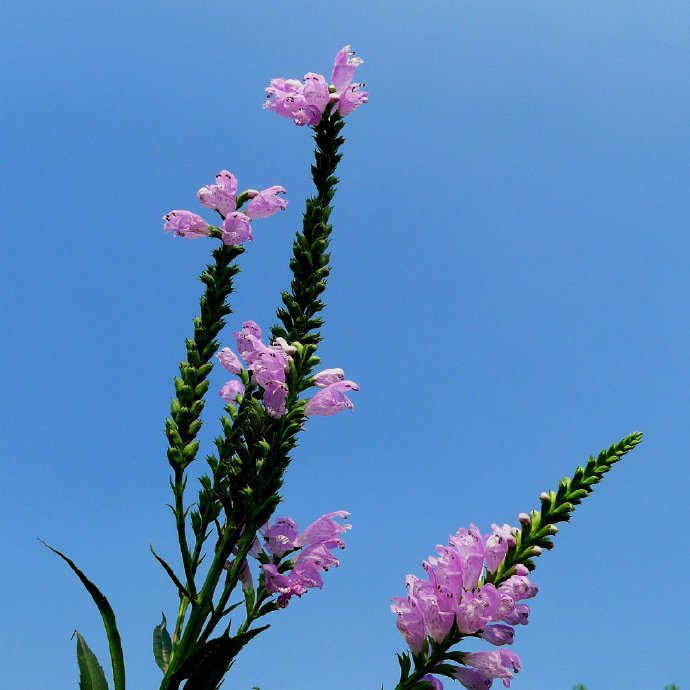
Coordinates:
<point>475,588</point>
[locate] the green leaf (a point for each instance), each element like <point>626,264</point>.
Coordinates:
<point>162,645</point>
<point>205,667</point>
<point>108,616</point>
<point>91,676</point>
<point>171,573</point>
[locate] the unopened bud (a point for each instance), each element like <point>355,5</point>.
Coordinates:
<point>553,529</point>
<point>250,193</point>
<point>524,519</point>
<point>521,569</point>
<point>536,550</point>
<point>543,496</point>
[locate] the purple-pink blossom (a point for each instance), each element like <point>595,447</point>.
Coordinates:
<point>328,376</point>
<point>230,361</point>
<point>266,363</point>
<point>305,103</point>
<point>331,399</point>
<point>222,197</point>
<point>495,664</point>
<point>231,391</point>
<point>186,224</point>
<point>266,203</point>
<point>236,229</point>
<point>472,679</point>
<point>314,544</point>
<point>454,595</point>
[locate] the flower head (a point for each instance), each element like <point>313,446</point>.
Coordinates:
<point>455,596</point>
<point>222,197</point>
<point>314,543</point>
<point>305,102</point>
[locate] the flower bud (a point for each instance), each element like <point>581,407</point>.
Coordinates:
<point>524,519</point>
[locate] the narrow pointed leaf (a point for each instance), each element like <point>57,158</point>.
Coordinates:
<point>162,645</point>
<point>108,616</point>
<point>91,676</point>
<point>171,573</point>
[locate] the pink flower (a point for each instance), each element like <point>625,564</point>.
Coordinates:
<point>325,530</point>
<point>266,203</point>
<point>497,545</point>
<point>221,196</point>
<point>267,364</point>
<point>229,361</point>
<point>275,395</point>
<point>236,229</point>
<point>305,103</point>
<point>315,556</point>
<point>280,537</point>
<point>231,391</point>
<point>348,94</point>
<point>186,224</point>
<point>409,622</point>
<point>454,592</point>
<point>328,376</point>
<point>283,345</point>
<point>331,399</point>
<point>497,664</point>
<point>498,634</point>
<point>472,679</point>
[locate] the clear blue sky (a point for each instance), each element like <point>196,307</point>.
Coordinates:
<point>510,284</point>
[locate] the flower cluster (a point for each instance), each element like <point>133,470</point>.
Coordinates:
<point>222,197</point>
<point>315,544</point>
<point>455,599</point>
<point>268,365</point>
<point>305,103</point>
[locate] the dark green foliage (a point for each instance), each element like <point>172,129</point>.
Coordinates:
<point>183,425</point>
<point>108,616</point>
<point>205,667</point>
<point>91,676</point>
<point>162,645</point>
<point>310,257</point>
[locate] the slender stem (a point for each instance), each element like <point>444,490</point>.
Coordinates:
<point>180,523</point>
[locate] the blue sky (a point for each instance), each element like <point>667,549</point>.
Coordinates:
<point>509,288</point>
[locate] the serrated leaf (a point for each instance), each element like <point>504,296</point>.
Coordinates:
<point>108,616</point>
<point>162,645</point>
<point>91,676</point>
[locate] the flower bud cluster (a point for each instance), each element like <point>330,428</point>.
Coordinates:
<point>315,543</point>
<point>222,197</point>
<point>305,102</point>
<point>454,601</point>
<point>268,365</point>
